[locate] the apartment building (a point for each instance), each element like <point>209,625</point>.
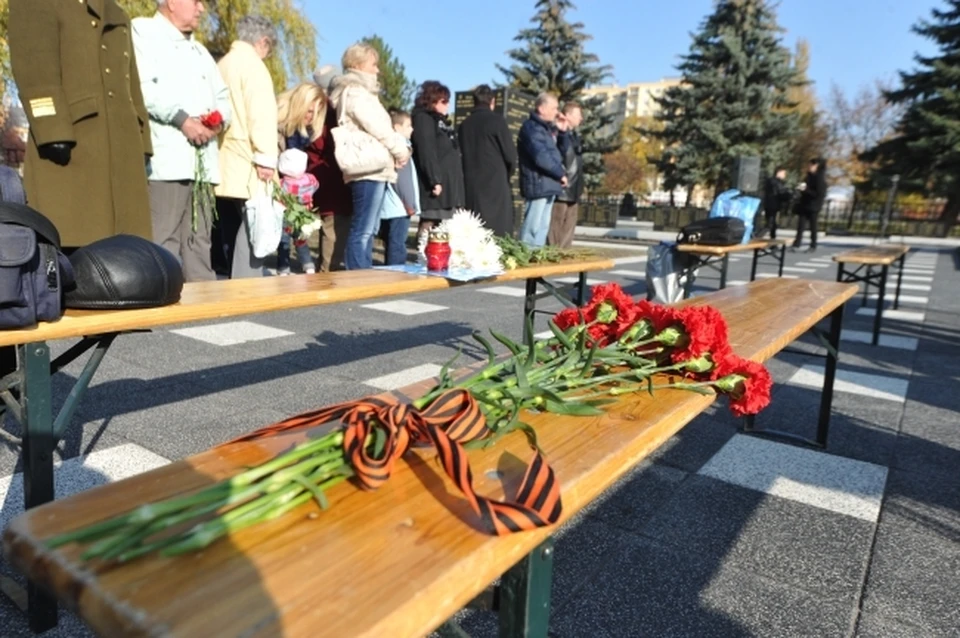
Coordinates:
<point>634,99</point>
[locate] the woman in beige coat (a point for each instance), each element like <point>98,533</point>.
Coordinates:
<point>248,148</point>
<point>356,97</point>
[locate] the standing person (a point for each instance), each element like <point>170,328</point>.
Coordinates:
<point>180,84</point>
<point>776,198</point>
<point>542,176</point>
<point>563,216</point>
<point>437,156</point>
<point>401,202</point>
<point>77,76</point>
<point>356,97</point>
<point>248,152</point>
<point>333,202</point>
<point>489,159</point>
<point>813,191</point>
<point>299,109</point>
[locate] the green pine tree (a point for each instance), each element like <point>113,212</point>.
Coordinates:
<point>733,100</point>
<point>396,89</point>
<point>926,152</point>
<point>553,59</point>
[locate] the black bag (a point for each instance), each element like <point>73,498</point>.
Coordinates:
<point>715,231</point>
<point>34,274</point>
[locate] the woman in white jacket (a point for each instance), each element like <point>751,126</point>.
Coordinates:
<point>356,96</point>
<point>248,150</point>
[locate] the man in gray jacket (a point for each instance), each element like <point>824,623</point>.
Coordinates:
<point>563,217</point>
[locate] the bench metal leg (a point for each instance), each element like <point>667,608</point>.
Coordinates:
<point>525,595</point>
<point>38,446</point>
<point>529,309</point>
<point>582,289</point>
<point>783,258</point>
<point>878,318</point>
<point>753,265</point>
<point>724,264</point>
<point>829,374</point>
<point>900,263</point>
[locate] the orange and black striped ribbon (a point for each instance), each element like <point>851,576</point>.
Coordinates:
<point>449,421</point>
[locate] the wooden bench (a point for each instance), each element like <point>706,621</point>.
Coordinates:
<point>402,560</point>
<point>710,256</point>
<point>25,381</point>
<point>876,262</point>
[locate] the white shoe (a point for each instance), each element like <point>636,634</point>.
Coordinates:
<point>283,272</point>
<point>310,270</point>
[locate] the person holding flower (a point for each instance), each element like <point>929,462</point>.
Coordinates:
<point>300,185</point>
<point>248,153</point>
<point>180,85</point>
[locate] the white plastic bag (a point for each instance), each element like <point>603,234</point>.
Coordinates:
<point>666,273</point>
<point>264,216</point>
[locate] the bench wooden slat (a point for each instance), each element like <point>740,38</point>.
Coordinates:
<point>397,562</point>
<point>883,255</point>
<point>753,244</point>
<point>220,299</point>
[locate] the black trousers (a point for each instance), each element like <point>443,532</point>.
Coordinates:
<point>803,220</point>
<point>223,235</point>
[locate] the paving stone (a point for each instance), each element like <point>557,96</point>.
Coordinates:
<point>792,543</point>
<point>661,591</point>
<point>930,440</point>
<point>634,498</point>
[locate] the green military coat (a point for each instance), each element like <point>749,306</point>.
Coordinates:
<point>74,66</point>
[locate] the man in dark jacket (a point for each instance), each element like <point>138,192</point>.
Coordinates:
<point>542,175</point>
<point>489,159</point>
<point>776,198</point>
<point>563,219</point>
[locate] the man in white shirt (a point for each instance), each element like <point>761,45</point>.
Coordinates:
<point>181,85</point>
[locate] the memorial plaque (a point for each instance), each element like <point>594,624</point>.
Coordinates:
<point>515,106</point>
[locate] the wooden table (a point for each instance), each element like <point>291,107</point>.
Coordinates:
<point>400,561</point>
<point>876,261</point>
<point>25,382</point>
<point>709,256</point>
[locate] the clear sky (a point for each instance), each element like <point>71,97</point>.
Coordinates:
<point>458,42</point>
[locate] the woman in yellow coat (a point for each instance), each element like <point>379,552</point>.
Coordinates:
<point>85,166</point>
<point>248,151</point>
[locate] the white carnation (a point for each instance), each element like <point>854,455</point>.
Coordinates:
<point>472,246</point>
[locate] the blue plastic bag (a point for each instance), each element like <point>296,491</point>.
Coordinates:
<point>732,204</point>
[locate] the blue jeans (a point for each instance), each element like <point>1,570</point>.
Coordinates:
<point>367,200</point>
<point>536,221</point>
<point>394,233</point>
<point>283,254</point>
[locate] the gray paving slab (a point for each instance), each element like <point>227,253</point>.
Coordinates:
<point>916,560</point>
<point>695,444</point>
<point>788,542</point>
<point>658,590</point>
<point>929,442</point>
<point>629,502</point>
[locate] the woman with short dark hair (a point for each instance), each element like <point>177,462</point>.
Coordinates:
<point>436,155</point>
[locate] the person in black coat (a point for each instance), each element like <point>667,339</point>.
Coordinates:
<point>776,198</point>
<point>813,192</point>
<point>489,159</point>
<point>436,156</point>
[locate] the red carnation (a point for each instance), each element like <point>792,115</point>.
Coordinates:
<point>660,317</point>
<point>699,335</point>
<point>748,385</point>
<point>212,119</point>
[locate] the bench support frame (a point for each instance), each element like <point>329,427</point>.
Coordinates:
<point>721,264</point>
<point>873,277</point>
<point>521,600</point>
<point>532,295</point>
<point>832,356</point>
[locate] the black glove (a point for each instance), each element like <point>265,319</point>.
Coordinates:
<point>56,152</point>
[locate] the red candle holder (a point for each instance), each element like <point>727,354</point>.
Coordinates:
<point>437,252</point>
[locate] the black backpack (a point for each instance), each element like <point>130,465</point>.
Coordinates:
<point>33,272</point>
<point>715,231</point>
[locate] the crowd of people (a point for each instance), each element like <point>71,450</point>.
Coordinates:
<point>215,138</point>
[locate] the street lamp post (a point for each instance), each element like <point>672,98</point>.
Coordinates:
<point>887,208</point>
